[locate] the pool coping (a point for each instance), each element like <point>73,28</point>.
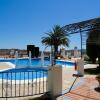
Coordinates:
<point>10,66</point>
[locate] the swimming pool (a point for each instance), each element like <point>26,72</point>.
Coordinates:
<point>23,73</point>
<point>37,62</point>
<point>26,73</point>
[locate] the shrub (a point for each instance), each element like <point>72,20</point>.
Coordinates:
<point>98,76</point>
<point>86,58</point>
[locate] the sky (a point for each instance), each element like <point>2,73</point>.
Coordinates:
<point>25,22</point>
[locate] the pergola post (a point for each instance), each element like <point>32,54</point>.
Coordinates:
<point>81,42</point>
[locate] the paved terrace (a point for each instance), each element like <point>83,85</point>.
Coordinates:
<point>89,90</point>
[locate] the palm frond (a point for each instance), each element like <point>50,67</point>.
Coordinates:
<point>56,37</point>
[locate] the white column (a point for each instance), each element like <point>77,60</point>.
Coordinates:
<point>30,58</point>
<point>16,55</point>
<point>80,67</point>
<point>58,79</point>
<point>42,59</point>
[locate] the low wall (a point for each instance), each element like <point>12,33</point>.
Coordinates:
<point>59,79</point>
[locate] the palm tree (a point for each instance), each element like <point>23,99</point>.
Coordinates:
<point>55,38</point>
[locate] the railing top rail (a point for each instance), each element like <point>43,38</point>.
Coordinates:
<point>25,70</point>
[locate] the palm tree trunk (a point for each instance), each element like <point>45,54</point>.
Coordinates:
<point>53,61</point>
<point>56,51</point>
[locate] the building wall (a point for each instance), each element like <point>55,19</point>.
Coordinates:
<point>10,53</point>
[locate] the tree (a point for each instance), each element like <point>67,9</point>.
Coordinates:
<point>55,38</point>
<point>93,45</point>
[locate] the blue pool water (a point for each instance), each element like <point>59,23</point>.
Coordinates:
<point>36,62</point>
<point>23,73</point>
<point>36,70</point>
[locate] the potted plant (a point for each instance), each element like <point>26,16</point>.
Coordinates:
<point>98,78</point>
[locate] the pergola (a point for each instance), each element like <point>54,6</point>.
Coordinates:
<point>82,28</point>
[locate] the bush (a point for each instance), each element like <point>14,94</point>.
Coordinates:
<point>98,76</point>
<point>86,58</point>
